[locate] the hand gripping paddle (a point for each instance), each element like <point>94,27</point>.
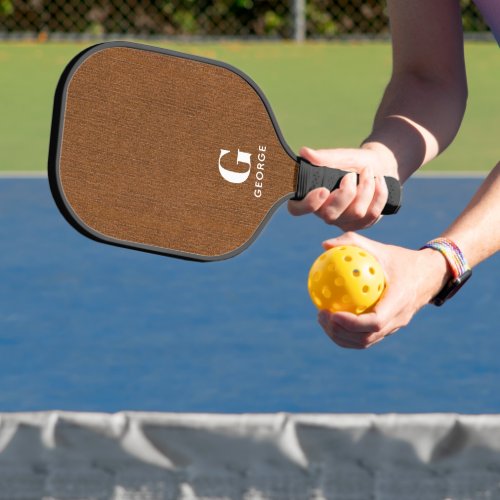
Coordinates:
<point>171,153</point>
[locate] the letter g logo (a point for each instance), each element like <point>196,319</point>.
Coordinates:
<point>235,177</point>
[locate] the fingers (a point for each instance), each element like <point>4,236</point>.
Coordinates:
<point>355,332</point>
<point>310,204</point>
<point>365,208</point>
<point>380,196</point>
<point>339,337</point>
<point>315,199</point>
<point>368,323</point>
<point>364,195</point>
<point>356,204</point>
<point>335,205</point>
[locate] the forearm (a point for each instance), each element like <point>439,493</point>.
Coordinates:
<point>416,120</point>
<point>424,103</point>
<point>477,230</point>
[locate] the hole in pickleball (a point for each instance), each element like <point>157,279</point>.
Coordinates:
<point>366,289</point>
<point>327,293</point>
<point>372,270</point>
<point>360,309</point>
<point>356,273</point>
<point>379,287</point>
<point>362,254</point>
<point>346,299</point>
<point>331,268</point>
<point>317,300</point>
<point>339,281</point>
<point>336,306</point>
<point>317,276</point>
<point>348,258</point>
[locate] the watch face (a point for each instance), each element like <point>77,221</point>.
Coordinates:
<point>451,288</point>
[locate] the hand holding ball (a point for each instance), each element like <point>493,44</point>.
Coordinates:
<point>346,278</point>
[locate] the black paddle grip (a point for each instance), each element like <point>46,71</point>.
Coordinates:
<point>312,177</point>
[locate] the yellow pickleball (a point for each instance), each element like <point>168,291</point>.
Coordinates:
<point>346,278</point>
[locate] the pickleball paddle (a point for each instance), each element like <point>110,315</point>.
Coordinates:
<point>172,153</point>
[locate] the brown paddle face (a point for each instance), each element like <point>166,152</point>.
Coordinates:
<point>164,152</point>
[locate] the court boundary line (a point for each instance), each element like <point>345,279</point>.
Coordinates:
<point>23,174</point>
<point>452,174</point>
<point>432,174</point>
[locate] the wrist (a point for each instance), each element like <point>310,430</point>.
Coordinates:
<point>437,272</point>
<point>386,157</point>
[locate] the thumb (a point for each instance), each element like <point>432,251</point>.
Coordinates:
<point>339,157</point>
<point>349,238</point>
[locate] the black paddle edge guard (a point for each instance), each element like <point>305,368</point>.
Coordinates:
<point>56,134</point>
<point>312,177</point>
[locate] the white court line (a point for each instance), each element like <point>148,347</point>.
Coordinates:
<point>23,174</point>
<point>454,174</point>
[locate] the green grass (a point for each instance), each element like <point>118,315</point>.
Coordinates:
<point>323,94</point>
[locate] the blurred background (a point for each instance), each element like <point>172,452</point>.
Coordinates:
<point>345,61</point>
<point>281,19</point>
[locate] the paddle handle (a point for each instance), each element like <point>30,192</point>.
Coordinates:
<point>311,177</point>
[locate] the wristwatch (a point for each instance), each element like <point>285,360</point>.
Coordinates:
<point>460,270</point>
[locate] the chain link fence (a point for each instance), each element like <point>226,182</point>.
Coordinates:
<point>285,19</point>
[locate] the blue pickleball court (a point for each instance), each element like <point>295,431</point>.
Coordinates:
<point>90,327</point>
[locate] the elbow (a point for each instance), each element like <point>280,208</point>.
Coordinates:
<point>445,93</point>
<point>454,96</point>
<point>462,94</point>
<point>459,94</point>
<point>448,85</point>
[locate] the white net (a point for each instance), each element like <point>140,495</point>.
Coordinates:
<point>154,456</point>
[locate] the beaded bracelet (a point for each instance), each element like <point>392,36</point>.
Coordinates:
<point>452,254</point>
<point>460,269</point>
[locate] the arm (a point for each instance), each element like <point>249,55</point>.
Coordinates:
<point>419,114</point>
<point>477,230</point>
<point>424,103</point>
<point>415,277</point>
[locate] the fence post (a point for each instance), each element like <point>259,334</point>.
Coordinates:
<point>299,20</point>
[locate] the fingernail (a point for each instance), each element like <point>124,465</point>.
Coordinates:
<point>327,244</point>
<point>324,194</point>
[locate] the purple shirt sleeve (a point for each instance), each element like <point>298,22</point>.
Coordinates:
<point>490,9</point>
